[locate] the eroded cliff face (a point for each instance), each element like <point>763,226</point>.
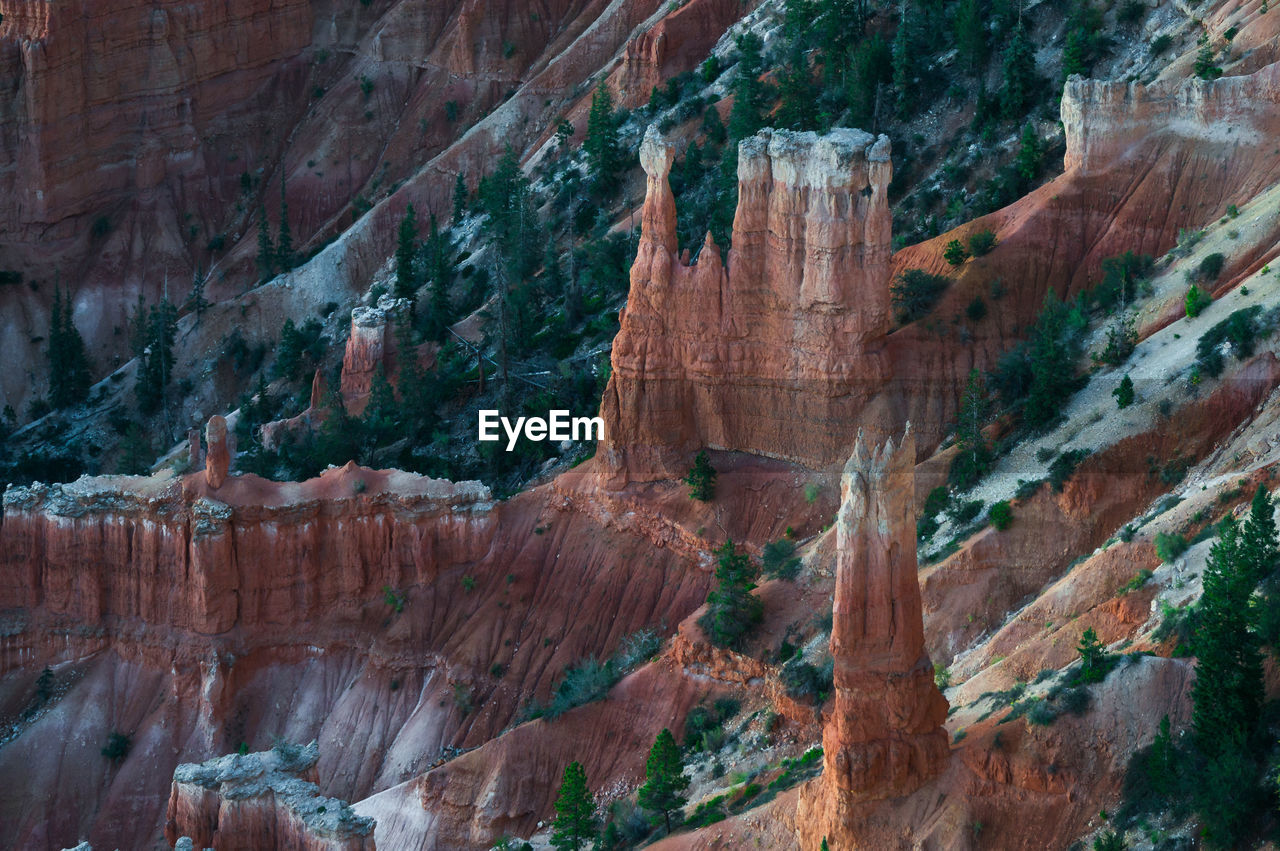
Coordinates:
<point>884,736</point>
<point>778,353</point>
<point>262,800</point>
<point>371,350</point>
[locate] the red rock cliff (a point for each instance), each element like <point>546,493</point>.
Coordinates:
<point>884,737</point>
<point>776,354</point>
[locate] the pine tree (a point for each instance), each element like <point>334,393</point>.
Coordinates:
<point>664,778</point>
<point>601,146</point>
<point>284,245</point>
<point>971,35</point>
<point>1161,764</point>
<point>870,70</point>
<point>797,94</point>
<point>702,478</point>
<point>732,610</point>
<point>1124,392</point>
<point>1093,657</point>
<point>1030,154</point>
<point>974,455</point>
<point>575,824</point>
<point>156,370</point>
<point>136,452</point>
<point>1227,694</point>
<point>1018,76</point>
<point>460,196</point>
<point>750,93</point>
<point>1258,543</point>
<point>406,249</point>
<point>440,271</point>
<point>906,55</point>
<point>196,301</point>
<point>266,248</point>
<point>69,374</point>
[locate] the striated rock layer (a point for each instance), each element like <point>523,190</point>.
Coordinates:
<point>884,737</point>
<point>262,800</point>
<point>776,354</point>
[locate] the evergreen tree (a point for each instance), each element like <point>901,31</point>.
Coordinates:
<point>69,374</point>
<point>284,245</point>
<point>906,57</point>
<point>1227,694</point>
<point>870,70</point>
<point>439,263</point>
<point>1205,67</point>
<point>1018,75</point>
<point>381,416</point>
<point>1124,392</point>
<point>1093,657</point>
<point>156,370</point>
<point>136,452</point>
<point>1054,346</point>
<point>974,455</point>
<point>664,778</point>
<point>1074,54</point>
<point>1258,543</point>
<point>406,249</point>
<point>797,94</point>
<point>702,478</point>
<point>732,610</point>
<point>289,352</point>
<point>196,301</point>
<point>575,824</point>
<point>601,146</point>
<point>460,196</point>
<point>971,35</point>
<point>267,255</point>
<point>751,95</point>
<point>1030,154</point>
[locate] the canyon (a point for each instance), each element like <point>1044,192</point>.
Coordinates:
<point>370,658</point>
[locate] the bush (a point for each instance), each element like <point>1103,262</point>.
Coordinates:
<point>1210,267</point>
<point>779,560</point>
<point>981,243</point>
<point>1161,43</point>
<point>1239,332</point>
<point>1169,546</point>
<point>915,292</point>
<point>802,679</point>
<point>955,253</point>
<point>967,511</point>
<point>117,746</point>
<point>1063,466</point>
<point>1124,392</point>
<point>1196,301</point>
<point>1000,515</point>
<point>977,309</point>
<point>732,610</point>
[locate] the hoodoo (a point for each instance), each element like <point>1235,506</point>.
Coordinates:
<point>776,354</point>
<point>884,737</point>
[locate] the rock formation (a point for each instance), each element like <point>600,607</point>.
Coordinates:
<point>262,800</point>
<point>884,737</point>
<point>371,349</point>
<point>218,460</point>
<point>778,353</point>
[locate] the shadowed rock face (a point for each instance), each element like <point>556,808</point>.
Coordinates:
<point>217,462</point>
<point>778,352</point>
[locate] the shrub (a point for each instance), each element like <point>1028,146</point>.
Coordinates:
<point>1109,841</point>
<point>1239,331</point>
<point>702,478</point>
<point>1094,661</point>
<point>981,243</point>
<point>779,560</point>
<point>1161,43</point>
<point>915,292</point>
<point>955,253</point>
<point>1122,339</point>
<point>1210,267</point>
<point>1063,466</point>
<point>117,746</point>
<point>965,512</point>
<point>977,309</point>
<point>1196,301</point>
<point>732,610</point>
<point>1000,515</point>
<point>1169,546</point>
<point>803,679</point>
<point>1136,582</point>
